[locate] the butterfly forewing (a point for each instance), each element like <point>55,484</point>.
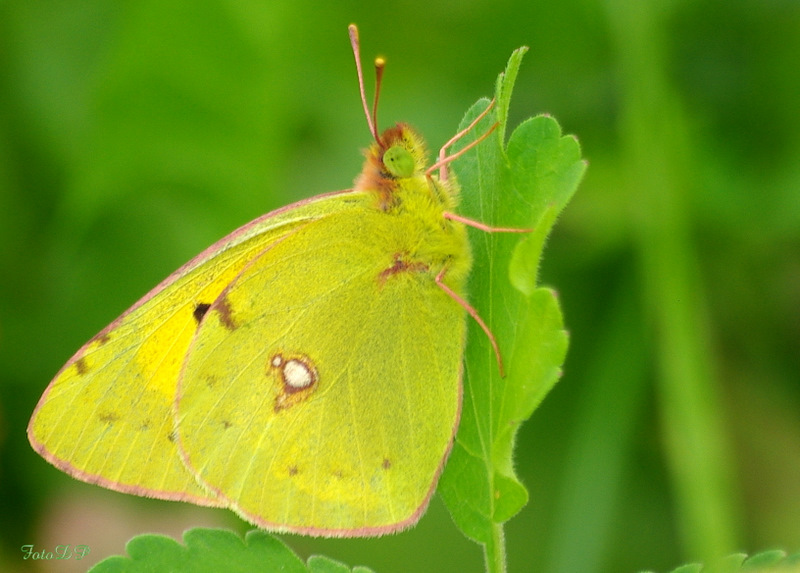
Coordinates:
<point>107,416</point>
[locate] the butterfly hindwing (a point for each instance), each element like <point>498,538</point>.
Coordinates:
<point>321,391</point>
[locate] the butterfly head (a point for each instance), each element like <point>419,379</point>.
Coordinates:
<point>402,152</point>
<point>398,154</point>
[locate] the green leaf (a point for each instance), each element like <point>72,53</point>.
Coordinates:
<point>322,564</point>
<point>212,550</point>
<point>523,185</point>
<point>690,568</point>
<point>772,561</point>
<point>765,559</point>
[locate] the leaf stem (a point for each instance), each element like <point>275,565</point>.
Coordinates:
<point>494,552</point>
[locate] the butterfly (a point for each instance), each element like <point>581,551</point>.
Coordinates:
<point>304,371</point>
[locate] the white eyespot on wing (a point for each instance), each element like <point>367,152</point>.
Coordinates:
<point>297,374</point>
<point>296,379</point>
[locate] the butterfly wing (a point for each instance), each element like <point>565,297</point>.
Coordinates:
<point>321,392</point>
<point>106,417</point>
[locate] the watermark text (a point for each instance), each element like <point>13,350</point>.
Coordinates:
<point>76,552</point>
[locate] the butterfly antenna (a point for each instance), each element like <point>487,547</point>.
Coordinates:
<point>380,64</point>
<point>353,31</point>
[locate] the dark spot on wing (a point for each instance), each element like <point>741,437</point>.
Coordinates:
<point>200,310</point>
<point>225,314</point>
<point>81,367</point>
<point>108,417</point>
<point>401,264</point>
<point>387,463</point>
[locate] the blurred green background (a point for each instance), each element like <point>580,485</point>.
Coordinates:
<point>133,134</point>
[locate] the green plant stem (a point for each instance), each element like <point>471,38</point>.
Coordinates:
<point>494,552</point>
<point>658,154</point>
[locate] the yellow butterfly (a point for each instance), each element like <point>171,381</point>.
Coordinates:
<point>304,371</point>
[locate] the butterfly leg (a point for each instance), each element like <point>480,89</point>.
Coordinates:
<point>444,159</point>
<point>474,314</point>
<point>482,226</point>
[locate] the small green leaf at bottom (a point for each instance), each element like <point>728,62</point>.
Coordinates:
<point>214,550</point>
<point>771,561</point>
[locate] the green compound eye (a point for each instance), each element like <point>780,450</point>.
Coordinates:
<point>398,161</point>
